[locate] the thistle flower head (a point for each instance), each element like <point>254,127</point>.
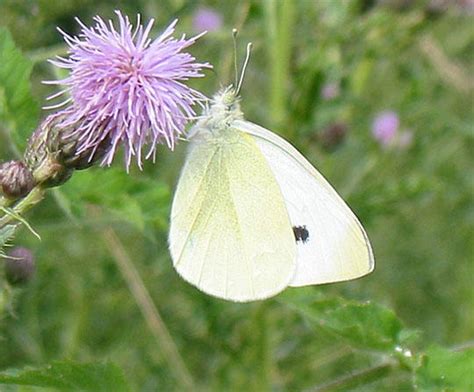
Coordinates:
<point>385,127</point>
<point>127,88</point>
<point>330,91</point>
<point>206,19</point>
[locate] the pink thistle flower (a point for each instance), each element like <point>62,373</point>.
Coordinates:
<point>207,19</point>
<point>385,127</point>
<point>126,88</point>
<point>330,91</point>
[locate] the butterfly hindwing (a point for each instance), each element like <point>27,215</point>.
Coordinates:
<point>337,247</point>
<point>230,232</point>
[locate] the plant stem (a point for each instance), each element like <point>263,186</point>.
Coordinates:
<point>451,72</point>
<point>5,202</point>
<point>34,197</point>
<point>142,297</point>
<point>263,366</point>
<point>358,377</point>
<point>280,24</point>
<point>335,354</point>
<point>469,345</point>
<point>355,180</point>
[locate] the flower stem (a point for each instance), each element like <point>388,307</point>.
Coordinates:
<point>263,348</point>
<point>280,17</point>
<point>356,378</point>
<point>151,314</point>
<point>451,72</point>
<point>34,197</point>
<point>5,202</point>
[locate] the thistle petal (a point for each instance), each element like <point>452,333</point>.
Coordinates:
<point>132,83</point>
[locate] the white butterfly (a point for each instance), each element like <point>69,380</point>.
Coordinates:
<point>251,216</point>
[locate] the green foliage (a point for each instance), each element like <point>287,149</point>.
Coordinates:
<point>138,200</point>
<point>69,376</point>
<point>363,325</point>
<point>18,109</point>
<point>6,234</point>
<point>446,370</point>
<point>407,326</point>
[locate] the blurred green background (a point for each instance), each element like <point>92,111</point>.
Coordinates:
<point>321,73</point>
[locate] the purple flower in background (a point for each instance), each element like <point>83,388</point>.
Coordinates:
<point>127,88</point>
<point>206,19</point>
<point>330,91</point>
<point>385,127</point>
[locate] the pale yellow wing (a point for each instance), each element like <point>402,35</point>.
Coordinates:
<point>337,247</point>
<point>230,233</point>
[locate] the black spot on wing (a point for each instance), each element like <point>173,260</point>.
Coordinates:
<point>301,233</point>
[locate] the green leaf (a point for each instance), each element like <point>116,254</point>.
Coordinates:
<point>137,200</point>
<point>362,324</point>
<point>18,109</point>
<point>67,375</point>
<point>446,370</point>
<point>6,234</point>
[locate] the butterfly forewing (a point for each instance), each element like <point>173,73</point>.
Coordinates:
<point>337,247</point>
<point>230,232</point>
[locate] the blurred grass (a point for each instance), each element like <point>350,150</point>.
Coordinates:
<point>416,203</point>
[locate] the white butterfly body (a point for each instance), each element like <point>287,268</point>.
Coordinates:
<point>251,216</point>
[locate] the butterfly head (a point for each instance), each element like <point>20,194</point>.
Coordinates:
<point>223,110</point>
<point>224,107</point>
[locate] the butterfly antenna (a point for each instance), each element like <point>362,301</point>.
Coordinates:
<point>234,38</point>
<point>244,68</point>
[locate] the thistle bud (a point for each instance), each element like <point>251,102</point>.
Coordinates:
<point>19,266</point>
<point>333,136</point>
<point>53,151</point>
<point>64,141</point>
<point>16,179</point>
<point>43,163</point>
